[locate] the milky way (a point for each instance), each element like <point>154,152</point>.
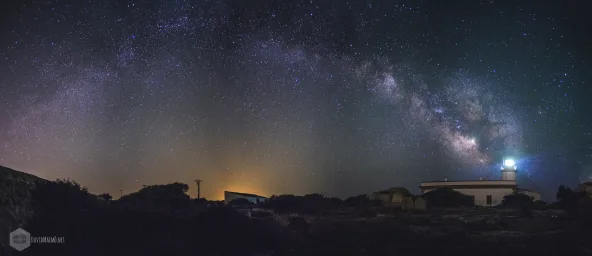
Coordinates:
<point>340,98</point>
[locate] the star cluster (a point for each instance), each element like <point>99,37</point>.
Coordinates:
<point>336,97</point>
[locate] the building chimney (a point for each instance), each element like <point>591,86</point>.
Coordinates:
<point>445,178</point>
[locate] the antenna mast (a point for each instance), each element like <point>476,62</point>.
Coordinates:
<point>198,182</point>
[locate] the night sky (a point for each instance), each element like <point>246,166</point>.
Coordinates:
<point>274,97</point>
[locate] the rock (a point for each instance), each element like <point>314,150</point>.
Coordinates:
<point>15,200</point>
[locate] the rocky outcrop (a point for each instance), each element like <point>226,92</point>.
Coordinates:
<point>15,200</point>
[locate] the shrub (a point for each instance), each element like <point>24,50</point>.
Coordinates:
<point>518,200</point>
<point>447,197</point>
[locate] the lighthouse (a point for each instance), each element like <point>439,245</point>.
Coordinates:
<point>509,170</point>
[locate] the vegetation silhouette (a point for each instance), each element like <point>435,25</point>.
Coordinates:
<point>159,219</point>
<point>447,197</point>
<point>309,204</point>
<point>163,220</point>
<point>521,202</point>
<point>105,196</point>
<point>361,201</point>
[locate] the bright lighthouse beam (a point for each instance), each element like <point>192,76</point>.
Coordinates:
<point>509,163</point>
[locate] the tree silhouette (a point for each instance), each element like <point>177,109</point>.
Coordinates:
<point>106,196</point>
<point>568,199</point>
<point>165,198</point>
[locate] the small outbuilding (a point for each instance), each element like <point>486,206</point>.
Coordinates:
<point>393,196</point>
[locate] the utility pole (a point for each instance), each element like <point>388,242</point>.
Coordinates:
<point>121,193</point>
<point>198,182</point>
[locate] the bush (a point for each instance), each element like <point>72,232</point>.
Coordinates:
<point>308,204</point>
<point>447,197</point>
<point>105,196</point>
<point>165,198</point>
<point>62,199</point>
<point>517,200</point>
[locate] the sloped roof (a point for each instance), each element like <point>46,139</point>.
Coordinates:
<point>244,194</point>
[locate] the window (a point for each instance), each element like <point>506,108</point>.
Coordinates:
<point>488,199</point>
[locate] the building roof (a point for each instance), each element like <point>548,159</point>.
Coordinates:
<point>469,184</point>
<point>244,194</point>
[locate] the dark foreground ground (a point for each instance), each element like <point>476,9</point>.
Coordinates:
<point>224,231</point>
<point>477,232</point>
<point>163,220</point>
<point>464,232</point>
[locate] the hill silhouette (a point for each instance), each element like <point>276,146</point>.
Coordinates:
<point>16,176</point>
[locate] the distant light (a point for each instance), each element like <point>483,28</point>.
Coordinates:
<point>509,163</point>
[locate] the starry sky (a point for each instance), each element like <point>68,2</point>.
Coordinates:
<point>274,97</point>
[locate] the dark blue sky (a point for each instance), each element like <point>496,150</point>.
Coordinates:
<point>337,97</point>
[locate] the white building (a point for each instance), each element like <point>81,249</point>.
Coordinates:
<point>485,192</point>
<point>229,196</point>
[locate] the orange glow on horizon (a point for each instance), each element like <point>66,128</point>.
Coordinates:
<point>243,179</point>
<point>240,187</point>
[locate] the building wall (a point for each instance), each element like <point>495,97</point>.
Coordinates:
<point>509,174</point>
<point>465,183</point>
<point>397,198</point>
<point>480,194</point>
<point>382,197</point>
<point>231,196</point>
